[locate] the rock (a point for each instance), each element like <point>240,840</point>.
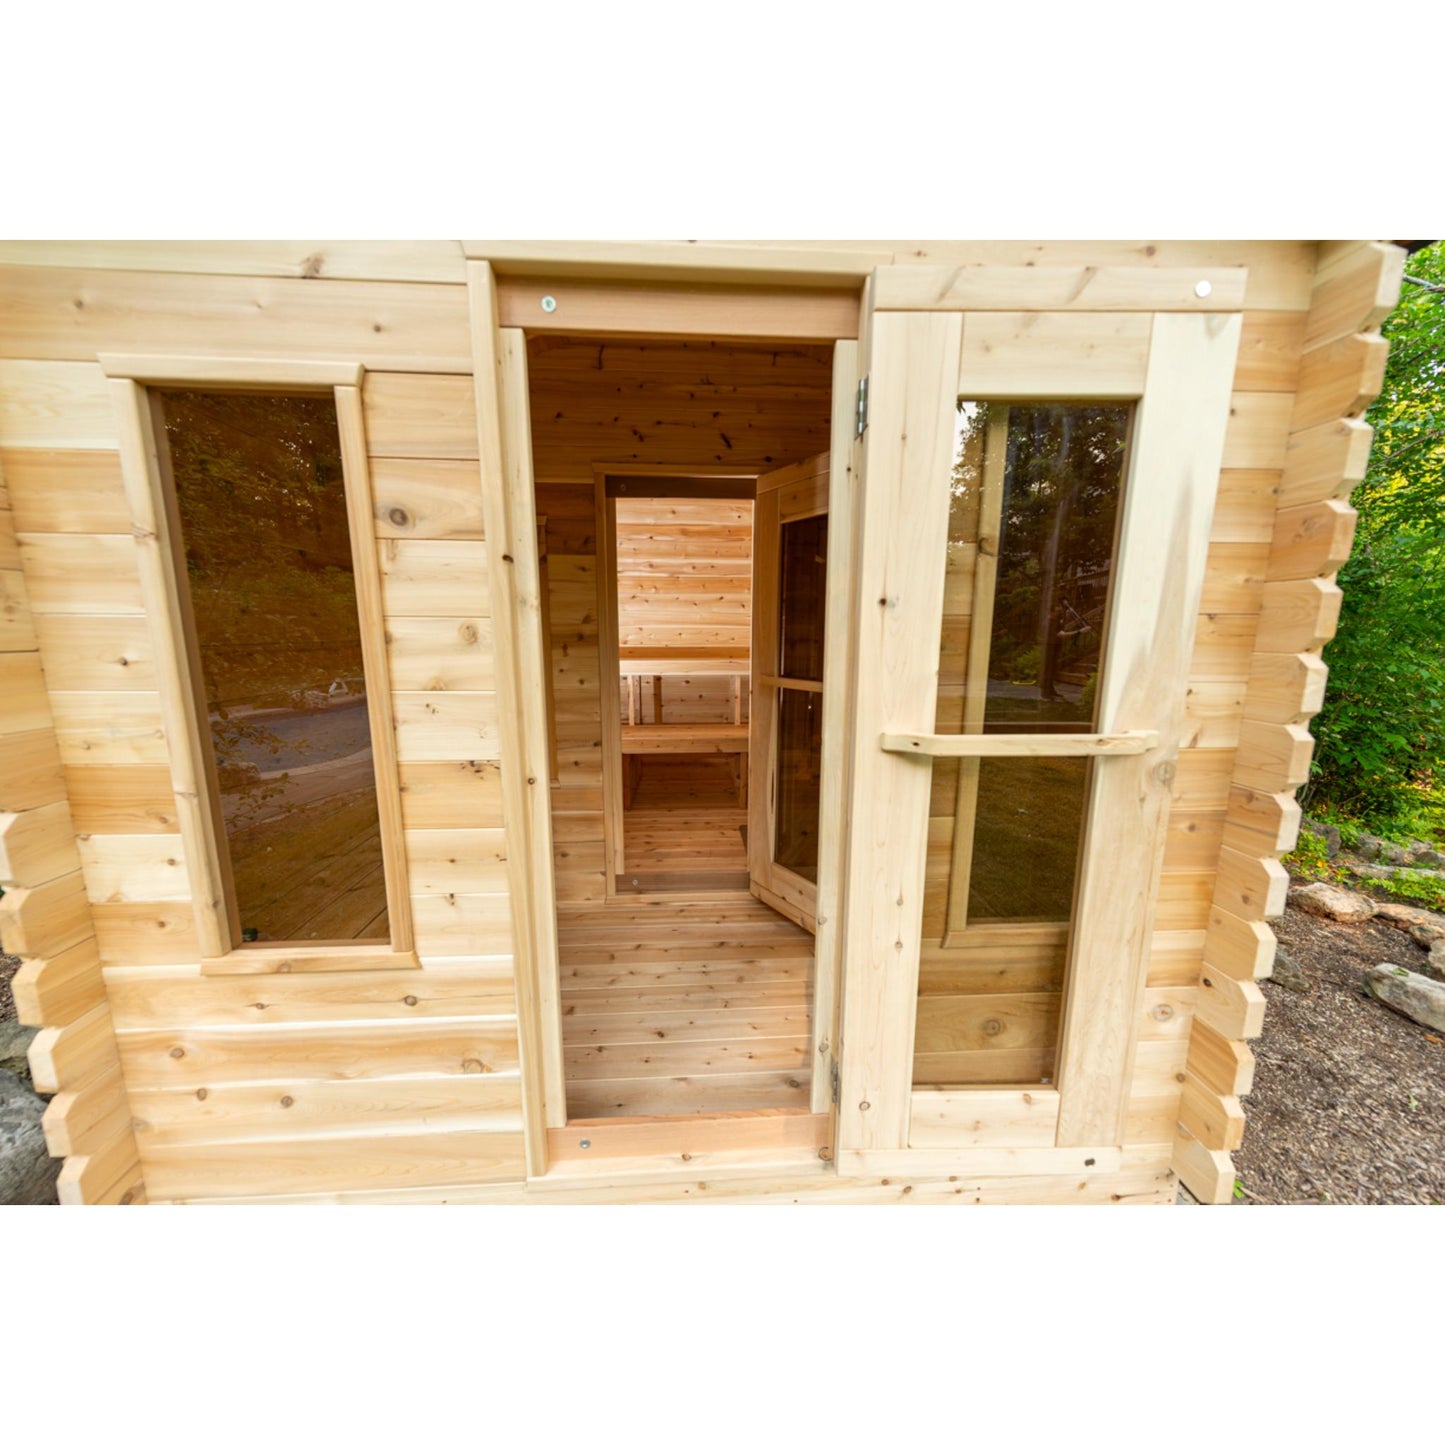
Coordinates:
<point>1416,875</point>
<point>1368,846</point>
<point>1427,858</point>
<point>1368,870</point>
<point>27,1172</point>
<point>1331,902</point>
<point>1329,833</point>
<point>1393,854</point>
<point>1434,966</point>
<point>1412,994</point>
<point>1407,915</point>
<point>1287,973</point>
<point>14,1041</point>
<point>1428,935</point>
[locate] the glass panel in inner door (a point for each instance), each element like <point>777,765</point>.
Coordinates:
<point>1033,516</point>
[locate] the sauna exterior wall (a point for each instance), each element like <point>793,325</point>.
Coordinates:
<point>308,1081</point>
<point>414,1085</point>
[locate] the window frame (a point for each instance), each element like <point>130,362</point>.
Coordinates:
<point>155,522</point>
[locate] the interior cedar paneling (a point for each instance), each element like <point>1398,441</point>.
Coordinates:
<point>684,404</point>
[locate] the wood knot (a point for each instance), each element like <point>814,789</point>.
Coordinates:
<point>399,517</point>
<point>1164,1012</point>
<point>178,1053</point>
<point>287,1101</point>
<point>473,1066</point>
<point>992,1028</point>
<point>864,1106</point>
<point>203,1094</point>
<point>410,1000</point>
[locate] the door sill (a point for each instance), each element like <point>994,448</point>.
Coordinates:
<point>668,1145</point>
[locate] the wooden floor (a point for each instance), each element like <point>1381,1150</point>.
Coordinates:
<point>683,831</point>
<point>677,1007</point>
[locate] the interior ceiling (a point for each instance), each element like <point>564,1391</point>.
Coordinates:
<point>675,403</point>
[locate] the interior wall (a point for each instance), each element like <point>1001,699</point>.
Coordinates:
<point>684,577</point>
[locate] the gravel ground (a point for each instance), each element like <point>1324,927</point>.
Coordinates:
<point>1348,1104</point>
<point>9,967</point>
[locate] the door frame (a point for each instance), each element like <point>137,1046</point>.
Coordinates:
<point>651,307</point>
<point>608,631</point>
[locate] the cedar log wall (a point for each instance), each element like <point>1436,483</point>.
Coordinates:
<point>373,1085</point>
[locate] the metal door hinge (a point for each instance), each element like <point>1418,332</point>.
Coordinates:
<point>862,406</point>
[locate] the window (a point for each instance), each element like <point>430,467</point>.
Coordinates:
<point>263,592</point>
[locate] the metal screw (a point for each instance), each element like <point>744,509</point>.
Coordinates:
<point>1201,290</point>
<point>584,1143</point>
<point>549,303</point>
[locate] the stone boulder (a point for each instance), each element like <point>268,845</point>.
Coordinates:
<point>1331,902</point>
<point>1328,832</point>
<point>1407,915</point>
<point>1427,858</point>
<point>27,1172</point>
<point>14,1043</point>
<point>1368,870</point>
<point>1287,973</point>
<point>1429,935</point>
<point>1412,994</point>
<point>1434,966</point>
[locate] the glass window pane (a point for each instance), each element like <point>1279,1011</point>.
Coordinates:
<point>1034,508</point>
<point>800,752</point>
<point>262,507</point>
<point>1027,819</point>
<point>803,589</point>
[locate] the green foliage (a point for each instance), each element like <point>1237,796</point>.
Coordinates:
<point>1381,735</point>
<point>1427,892</point>
<point>1309,859</point>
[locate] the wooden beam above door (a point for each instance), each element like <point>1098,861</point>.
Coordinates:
<point>621,308</point>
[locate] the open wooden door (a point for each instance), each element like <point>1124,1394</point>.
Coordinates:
<point>1036,493</point>
<point>785,740</point>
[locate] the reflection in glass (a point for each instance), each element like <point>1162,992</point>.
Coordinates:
<point>262,505</point>
<point>1033,514</point>
<point>800,752</point>
<point>804,545</point>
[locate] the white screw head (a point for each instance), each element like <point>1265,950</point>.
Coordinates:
<point>549,304</point>
<point>1201,289</point>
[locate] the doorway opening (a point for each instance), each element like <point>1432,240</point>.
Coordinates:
<point>682,558</point>
<point>684,991</point>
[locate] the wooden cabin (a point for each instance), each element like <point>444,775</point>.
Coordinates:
<point>559,722</point>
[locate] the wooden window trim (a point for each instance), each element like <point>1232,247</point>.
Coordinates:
<point>156,527</point>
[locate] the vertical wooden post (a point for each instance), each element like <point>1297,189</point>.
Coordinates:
<point>907,452</point>
<point>514,581</point>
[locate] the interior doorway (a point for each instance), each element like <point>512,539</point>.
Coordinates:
<point>682,991</point>
<point>681,560</point>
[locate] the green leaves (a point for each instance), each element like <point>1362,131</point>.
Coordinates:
<point>1381,735</point>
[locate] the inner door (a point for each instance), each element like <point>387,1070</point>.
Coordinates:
<point>785,741</point>
<point>1036,498</point>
